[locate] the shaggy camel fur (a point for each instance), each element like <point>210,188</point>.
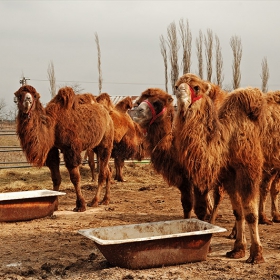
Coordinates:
<point>127,134</point>
<point>72,124</point>
<point>155,114</point>
<point>223,147</point>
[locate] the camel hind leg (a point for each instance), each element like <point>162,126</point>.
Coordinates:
<point>274,191</point>
<point>104,176</point>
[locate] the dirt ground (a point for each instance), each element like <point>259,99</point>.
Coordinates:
<point>52,248</point>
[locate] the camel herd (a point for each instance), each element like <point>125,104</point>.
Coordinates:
<point>214,141</point>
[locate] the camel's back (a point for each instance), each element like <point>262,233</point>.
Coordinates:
<point>85,123</point>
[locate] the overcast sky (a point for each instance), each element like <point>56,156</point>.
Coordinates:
<point>33,33</point>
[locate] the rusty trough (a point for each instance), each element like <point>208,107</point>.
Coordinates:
<point>27,205</point>
<point>154,244</point>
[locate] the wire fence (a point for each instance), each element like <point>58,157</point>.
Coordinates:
<point>12,156</point>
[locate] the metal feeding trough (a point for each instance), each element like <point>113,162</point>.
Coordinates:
<point>27,205</point>
<point>155,244</point>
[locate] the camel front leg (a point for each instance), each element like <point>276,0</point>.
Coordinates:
<point>218,195</point>
<point>52,162</point>
<point>187,197</point>
<point>75,178</point>
<point>119,164</point>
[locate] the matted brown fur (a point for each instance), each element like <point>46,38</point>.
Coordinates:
<point>127,134</point>
<point>70,124</point>
<point>223,147</point>
<point>159,142</point>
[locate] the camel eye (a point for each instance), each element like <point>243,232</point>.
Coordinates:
<point>196,88</point>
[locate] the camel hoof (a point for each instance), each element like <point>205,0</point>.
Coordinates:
<point>105,202</point>
<point>265,221</point>
<point>276,219</point>
<point>255,260</point>
<point>234,254</point>
<point>93,204</point>
<point>79,209</point>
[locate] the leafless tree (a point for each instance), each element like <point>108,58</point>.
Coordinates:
<point>265,74</point>
<point>199,46</point>
<point>208,41</point>
<point>52,80</point>
<point>186,38</point>
<point>164,56</point>
<point>235,43</point>
<point>173,48</point>
<point>219,62</point>
<point>99,63</point>
<point>2,107</point>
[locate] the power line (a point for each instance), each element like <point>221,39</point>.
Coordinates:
<point>91,82</point>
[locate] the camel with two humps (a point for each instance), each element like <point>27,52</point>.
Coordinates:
<point>154,112</point>
<point>71,124</point>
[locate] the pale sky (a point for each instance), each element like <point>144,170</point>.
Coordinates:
<point>33,33</point>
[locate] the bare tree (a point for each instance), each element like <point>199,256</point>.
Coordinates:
<point>99,63</point>
<point>208,41</point>
<point>186,38</point>
<point>52,80</point>
<point>173,48</point>
<point>2,107</point>
<point>164,56</point>
<point>199,46</point>
<point>265,74</point>
<point>235,43</point>
<point>219,62</point>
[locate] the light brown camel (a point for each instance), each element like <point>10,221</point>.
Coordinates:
<point>71,124</point>
<point>127,134</point>
<point>223,147</point>
<point>155,114</point>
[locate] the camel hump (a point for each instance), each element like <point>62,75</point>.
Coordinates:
<point>249,100</point>
<point>104,99</point>
<point>66,97</point>
<point>125,104</point>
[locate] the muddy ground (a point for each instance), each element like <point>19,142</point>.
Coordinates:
<point>52,248</point>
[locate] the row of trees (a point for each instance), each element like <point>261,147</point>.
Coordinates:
<point>181,37</point>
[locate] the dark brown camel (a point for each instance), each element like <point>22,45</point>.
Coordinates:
<point>155,114</point>
<point>223,147</point>
<point>69,123</point>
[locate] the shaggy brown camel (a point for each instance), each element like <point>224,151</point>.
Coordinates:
<point>127,135</point>
<point>155,114</point>
<point>270,179</point>
<point>223,147</point>
<point>72,124</point>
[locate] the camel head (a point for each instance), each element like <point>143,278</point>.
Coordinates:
<point>26,97</point>
<point>190,88</point>
<point>152,104</point>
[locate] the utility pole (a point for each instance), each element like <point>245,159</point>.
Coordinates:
<point>23,81</point>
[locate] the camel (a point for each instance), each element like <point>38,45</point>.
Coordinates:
<point>224,147</point>
<point>127,135</point>
<point>70,123</point>
<point>154,112</point>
